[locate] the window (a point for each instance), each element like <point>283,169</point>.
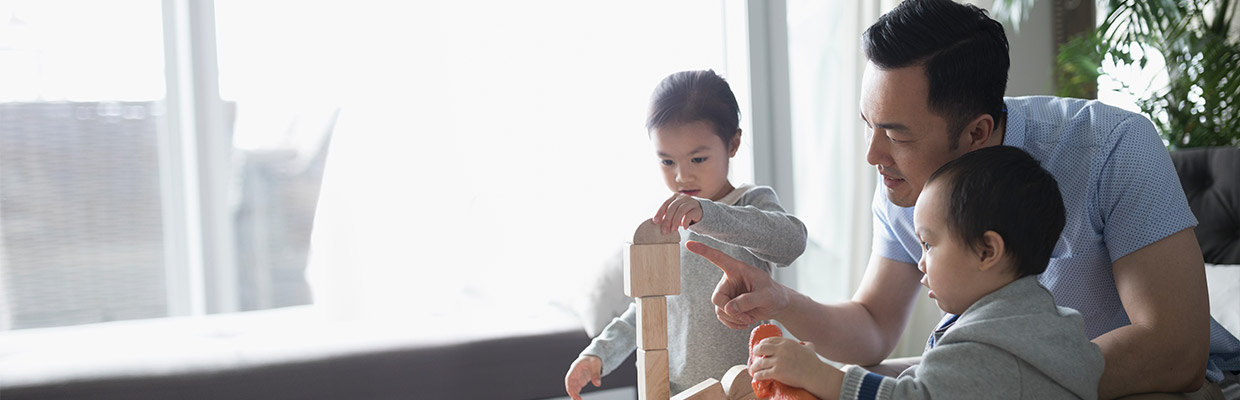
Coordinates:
<point>81,120</point>
<point>486,154</point>
<point>834,184</point>
<point>403,154</point>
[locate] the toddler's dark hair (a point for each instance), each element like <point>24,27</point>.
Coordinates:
<point>691,96</point>
<point>1003,189</point>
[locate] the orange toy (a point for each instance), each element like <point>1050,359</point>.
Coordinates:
<point>769,388</point>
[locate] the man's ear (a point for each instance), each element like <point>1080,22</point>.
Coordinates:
<point>977,133</point>
<point>734,144</point>
<point>990,250</point>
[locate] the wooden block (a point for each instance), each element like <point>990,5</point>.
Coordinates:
<point>653,375</point>
<point>652,323</point>
<point>650,233</point>
<point>738,384</point>
<point>652,270</point>
<point>709,389</point>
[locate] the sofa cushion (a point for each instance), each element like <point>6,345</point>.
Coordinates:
<point>1211,180</point>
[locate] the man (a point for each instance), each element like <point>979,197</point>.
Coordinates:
<point>1128,259</point>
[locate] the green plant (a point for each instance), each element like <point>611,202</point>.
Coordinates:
<point>1078,66</point>
<point>1200,104</point>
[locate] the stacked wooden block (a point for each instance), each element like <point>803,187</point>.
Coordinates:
<point>651,273</point>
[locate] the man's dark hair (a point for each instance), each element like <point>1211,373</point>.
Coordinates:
<point>964,53</point>
<point>691,96</point>
<point>1003,189</point>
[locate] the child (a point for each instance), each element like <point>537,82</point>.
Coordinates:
<point>693,123</point>
<point>987,223</point>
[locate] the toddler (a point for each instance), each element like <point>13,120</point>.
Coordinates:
<point>694,125</point>
<point>987,222</point>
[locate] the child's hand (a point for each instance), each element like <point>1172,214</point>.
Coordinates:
<point>680,210</point>
<point>795,364</point>
<point>585,369</point>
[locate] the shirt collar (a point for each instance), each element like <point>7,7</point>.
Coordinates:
<point>1014,130</point>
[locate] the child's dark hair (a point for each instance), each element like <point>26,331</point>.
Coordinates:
<point>691,96</point>
<point>1003,189</point>
<point>964,53</point>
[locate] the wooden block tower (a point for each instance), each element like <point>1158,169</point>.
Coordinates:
<point>651,273</point>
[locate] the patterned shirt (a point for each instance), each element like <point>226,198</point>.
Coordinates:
<point>1120,191</point>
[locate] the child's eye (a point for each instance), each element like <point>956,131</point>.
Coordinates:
<point>925,246</point>
<point>666,162</point>
<point>698,160</point>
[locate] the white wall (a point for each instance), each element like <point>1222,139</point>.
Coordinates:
<point>1032,50</point>
<point>1033,53</point>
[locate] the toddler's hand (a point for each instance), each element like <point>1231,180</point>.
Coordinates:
<point>793,364</point>
<point>585,369</point>
<point>680,210</point>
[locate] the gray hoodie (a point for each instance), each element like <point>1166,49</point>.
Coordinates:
<point>1011,344</point>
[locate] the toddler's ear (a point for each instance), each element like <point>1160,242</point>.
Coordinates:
<point>734,144</point>
<point>990,250</point>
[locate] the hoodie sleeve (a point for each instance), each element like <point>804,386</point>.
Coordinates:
<point>758,223</point>
<point>614,344</point>
<point>950,371</point>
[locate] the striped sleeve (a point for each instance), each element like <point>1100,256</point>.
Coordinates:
<point>865,385</point>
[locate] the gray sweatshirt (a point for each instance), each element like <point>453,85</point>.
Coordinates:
<point>1011,344</point>
<point>748,224</point>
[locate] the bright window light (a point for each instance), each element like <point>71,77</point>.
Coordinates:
<point>484,150</point>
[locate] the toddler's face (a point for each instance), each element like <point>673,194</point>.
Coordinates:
<point>693,159</point>
<point>951,267</point>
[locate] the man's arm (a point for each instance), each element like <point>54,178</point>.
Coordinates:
<point>862,331</point>
<point>1163,288</point>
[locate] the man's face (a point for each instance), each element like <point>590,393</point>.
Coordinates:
<point>907,142</point>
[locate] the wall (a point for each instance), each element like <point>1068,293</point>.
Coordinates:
<point>1032,50</point>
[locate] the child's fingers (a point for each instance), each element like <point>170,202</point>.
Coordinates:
<point>662,211</point>
<point>671,217</point>
<point>694,214</point>
<point>770,346</point>
<point>685,214</point>
<point>762,368</point>
<point>573,384</point>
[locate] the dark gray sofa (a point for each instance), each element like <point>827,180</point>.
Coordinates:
<point>1211,180</point>
<point>529,366</point>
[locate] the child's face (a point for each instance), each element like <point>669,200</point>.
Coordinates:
<point>694,160</point>
<point>953,270</point>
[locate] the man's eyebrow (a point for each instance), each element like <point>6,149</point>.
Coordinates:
<point>893,126</point>
<point>890,126</point>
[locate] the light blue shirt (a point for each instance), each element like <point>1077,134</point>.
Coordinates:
<point>1120,191</point>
